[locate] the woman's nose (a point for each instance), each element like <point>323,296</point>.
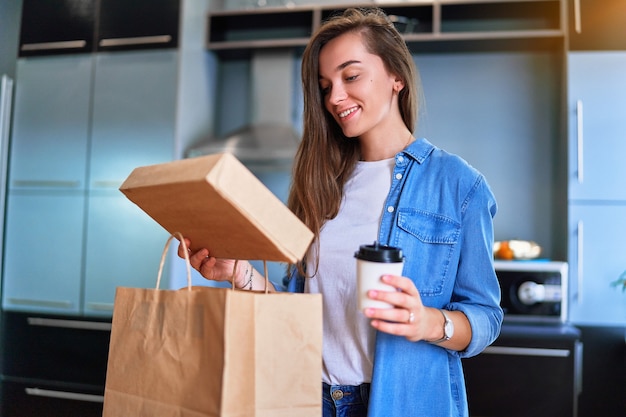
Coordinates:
<point>336,95</point>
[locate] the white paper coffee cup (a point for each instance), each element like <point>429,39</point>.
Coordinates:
<point>372,262</point>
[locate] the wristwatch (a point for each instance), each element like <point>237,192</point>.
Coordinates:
<point>448,329</point>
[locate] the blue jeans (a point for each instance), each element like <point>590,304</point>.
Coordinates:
<point>345,400</point>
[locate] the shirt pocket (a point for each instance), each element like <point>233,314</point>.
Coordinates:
<point>428,241</point>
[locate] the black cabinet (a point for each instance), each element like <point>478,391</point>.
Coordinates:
<point>52,365</point>
<point>530,370</point>
<point>425,25</point>
<point>597,25</point>
<point>57,27</point>
<point>145,24</point>
<point>70,26</point>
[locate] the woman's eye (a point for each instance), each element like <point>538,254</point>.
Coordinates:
<point>352,77</point>
<point>324,90</point>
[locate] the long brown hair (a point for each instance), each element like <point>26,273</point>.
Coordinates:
<point>326,158</point>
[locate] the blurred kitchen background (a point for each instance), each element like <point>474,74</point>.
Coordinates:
<point>530,92</point>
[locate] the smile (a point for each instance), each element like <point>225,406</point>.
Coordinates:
<point>348,112</point>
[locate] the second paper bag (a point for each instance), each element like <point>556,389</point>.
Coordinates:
<point>214,352</point>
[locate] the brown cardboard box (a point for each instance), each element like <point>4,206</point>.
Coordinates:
<point>218,204</point>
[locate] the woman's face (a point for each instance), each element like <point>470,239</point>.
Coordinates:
<point>357,89</point>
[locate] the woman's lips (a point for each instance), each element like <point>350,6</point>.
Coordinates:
<point>347,112</point>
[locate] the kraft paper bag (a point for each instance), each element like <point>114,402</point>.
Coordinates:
<point>202,351</point>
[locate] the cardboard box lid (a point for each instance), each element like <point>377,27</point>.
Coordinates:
<point>218,204</point>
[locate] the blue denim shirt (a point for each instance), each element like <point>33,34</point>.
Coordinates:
<point>439,211</point>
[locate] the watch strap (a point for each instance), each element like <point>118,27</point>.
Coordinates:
<point>446,336</point>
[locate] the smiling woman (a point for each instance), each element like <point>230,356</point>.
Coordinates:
<point>359,177</point>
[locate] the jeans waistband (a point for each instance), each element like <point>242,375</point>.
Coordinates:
<point>346,394</point>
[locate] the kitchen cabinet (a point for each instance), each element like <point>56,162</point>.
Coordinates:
<point>597,198</point>
<point>53,366</point>
<point>68,160</point>
<point>232,33</point>
<point>596,256</point>
<point>595,25</point>
<point>51,120</point>
<point>71,26</point>
<point>43,251</point>
<point>144,24</point>
<point>529,370</point>
<point>57,27</point>
<point>46,183</point>
<point>597,126</point>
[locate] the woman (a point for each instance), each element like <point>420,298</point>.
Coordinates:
<point>360,176</point>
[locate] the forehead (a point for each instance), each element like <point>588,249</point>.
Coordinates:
<point>346,48</point>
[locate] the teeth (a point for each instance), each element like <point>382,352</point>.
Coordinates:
<point>347,112</point>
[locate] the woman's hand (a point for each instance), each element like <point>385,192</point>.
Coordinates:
<point>212,268</point>
<point>408,317</point>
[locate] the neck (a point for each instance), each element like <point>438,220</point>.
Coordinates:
<point>377,149</point>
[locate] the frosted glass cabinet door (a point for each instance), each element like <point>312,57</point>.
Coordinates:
<point>597,259</point>
<point>43,258</point>
<point>134,114</point>
<point>123,248</point>
<point>597,125</point>
<point>51,122</point>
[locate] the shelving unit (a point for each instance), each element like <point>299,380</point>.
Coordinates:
<point>236,32</point>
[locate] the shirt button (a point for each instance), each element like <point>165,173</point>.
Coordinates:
<point>337,394</point>
<point>398,176</point>
<point>390,209</point>
<point>400,159</point>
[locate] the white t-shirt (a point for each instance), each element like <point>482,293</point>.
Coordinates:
<point>348,346</point>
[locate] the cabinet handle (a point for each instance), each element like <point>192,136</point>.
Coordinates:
<point>100,306</point>
<point>47,46</point>
<point>46,183</point>
<point>525,351</point>
<point>579,263</point>
<point>38,392</point>
<point>40,303</point>
<point>577,21</point>
<point>69,324</point>
<point>579,140</point>
<point>141,40</point>
<point>6,98</point>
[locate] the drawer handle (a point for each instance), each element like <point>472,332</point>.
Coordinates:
<point>141,40</point>
<point>100,306</point>
<point>38,392</point>
<point>46,183</point>
<point>577,22</point>
<point>579,140</point>
<point>107,184</point>
<point>47,46</point>
<point>69,324</point>
<point>40,303</point>
<point>524,351</point>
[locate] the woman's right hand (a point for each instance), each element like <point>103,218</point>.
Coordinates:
<point>212,268</point>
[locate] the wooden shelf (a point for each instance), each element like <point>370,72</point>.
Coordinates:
<point>455,22</point>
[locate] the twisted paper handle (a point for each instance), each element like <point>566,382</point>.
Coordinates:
<point>179,236</point>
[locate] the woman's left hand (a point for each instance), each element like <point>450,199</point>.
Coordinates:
<point>408,317</point>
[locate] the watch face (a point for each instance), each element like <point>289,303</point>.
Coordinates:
<point>449,328</point>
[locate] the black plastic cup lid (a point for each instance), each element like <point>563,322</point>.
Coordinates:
<point>379,253</point>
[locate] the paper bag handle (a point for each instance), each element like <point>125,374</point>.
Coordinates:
<point>179,236</point>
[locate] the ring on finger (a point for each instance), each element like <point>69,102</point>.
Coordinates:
<point>411,318</point>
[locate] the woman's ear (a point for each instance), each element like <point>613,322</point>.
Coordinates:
<point>398,85</point>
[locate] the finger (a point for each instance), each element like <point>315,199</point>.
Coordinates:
<point>181,247</point>
<point>404,284</point>
<point>196,258</point>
